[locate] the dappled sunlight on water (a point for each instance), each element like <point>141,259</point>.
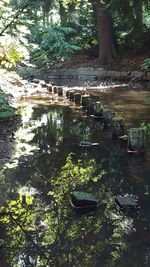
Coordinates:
<point>132,105</point>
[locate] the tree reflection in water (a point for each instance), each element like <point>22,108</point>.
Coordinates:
<point>50,233</point>
<point>39,227</point>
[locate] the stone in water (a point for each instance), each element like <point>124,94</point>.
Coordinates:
<point>83,200</point>
<point>126,201</point>
<point>136,140</point>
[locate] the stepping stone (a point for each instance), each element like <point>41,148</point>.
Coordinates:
<point>35,81</point>
<point>82,200</point>
<point>127,201</point>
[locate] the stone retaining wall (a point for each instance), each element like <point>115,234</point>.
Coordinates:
<point>83,74</point>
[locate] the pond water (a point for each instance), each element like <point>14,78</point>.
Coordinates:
<point>38,225</point>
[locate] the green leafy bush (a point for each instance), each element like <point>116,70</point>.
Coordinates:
<point>9,56</point>
<point>57,43</point>
<point>146,64</point>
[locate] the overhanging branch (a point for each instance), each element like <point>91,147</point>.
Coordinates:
<point>14,19</point>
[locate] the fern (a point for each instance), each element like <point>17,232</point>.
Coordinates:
<point>146,64</point>
<point>57,42</point>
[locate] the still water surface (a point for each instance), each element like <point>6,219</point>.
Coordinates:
<point>38,226</point>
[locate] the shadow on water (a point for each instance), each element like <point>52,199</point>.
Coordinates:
<point>38,225</point>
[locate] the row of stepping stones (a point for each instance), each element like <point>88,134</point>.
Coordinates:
<point>135,136</point>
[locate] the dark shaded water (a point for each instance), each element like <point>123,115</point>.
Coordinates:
<point>39,226</point>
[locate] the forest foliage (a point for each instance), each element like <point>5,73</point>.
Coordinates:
<point>53,30</point>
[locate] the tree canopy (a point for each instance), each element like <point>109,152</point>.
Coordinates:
<point>55,29</point>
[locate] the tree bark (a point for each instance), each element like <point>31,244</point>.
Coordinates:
<point>138,16</point>
<point>63,14</point>
<point>107,49</point>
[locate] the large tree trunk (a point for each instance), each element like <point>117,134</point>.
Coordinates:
<point>63,14</point>
<point>138,17</point>
<point>107,49</point>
